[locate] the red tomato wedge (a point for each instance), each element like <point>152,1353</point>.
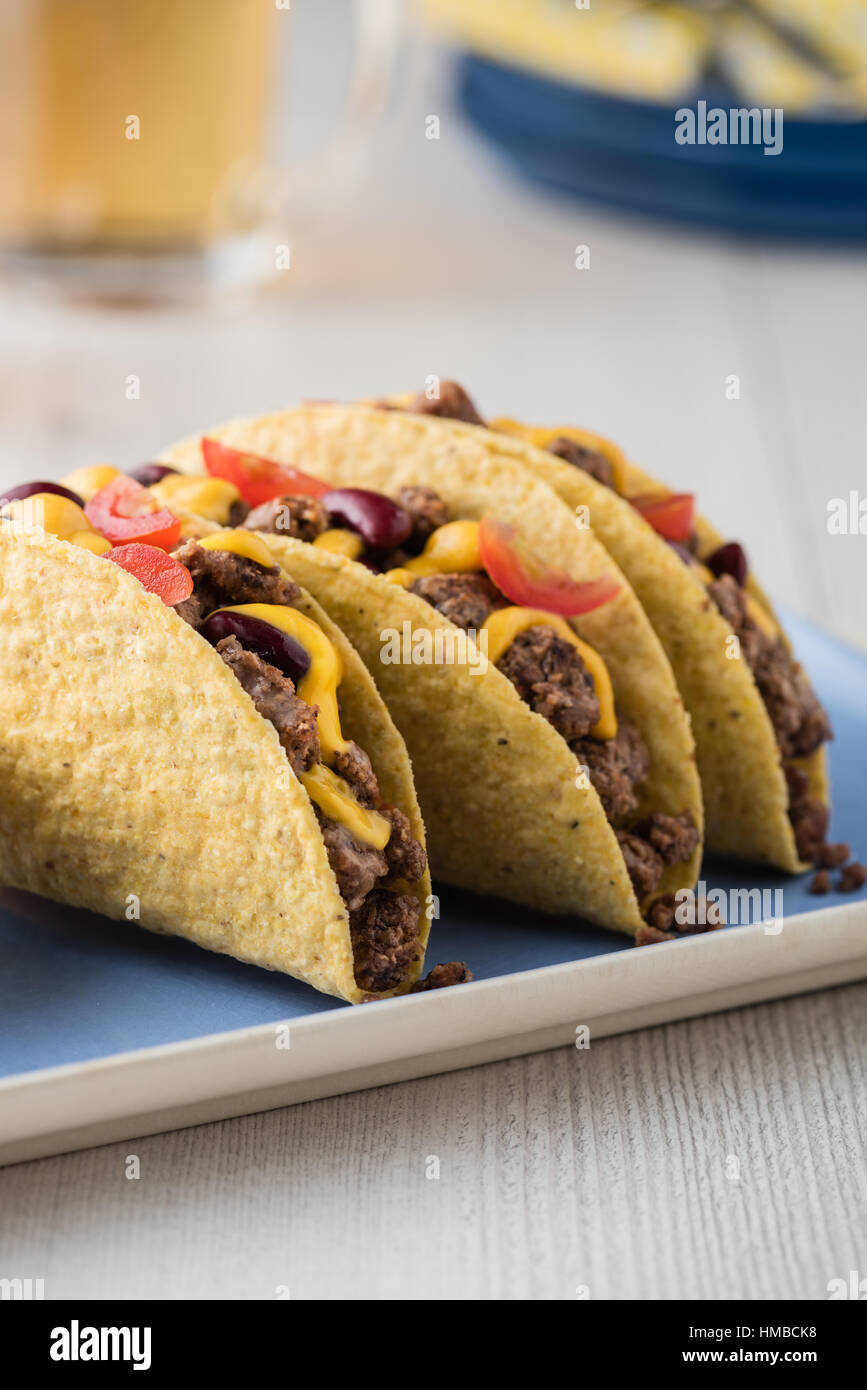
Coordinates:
<point>670,516</point>
<point>528,582</point>
<point>156,571</point>
<point>259,479</point>
<point>124,511</point>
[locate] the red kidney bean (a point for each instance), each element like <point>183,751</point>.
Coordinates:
<point>18,494</point>
<point>271,643</point>
<point>729,559</point>
<point>380,522</point>
<point>149,473</point>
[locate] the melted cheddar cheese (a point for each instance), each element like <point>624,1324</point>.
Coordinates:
<point>246,543</point>
<point>318,686</point>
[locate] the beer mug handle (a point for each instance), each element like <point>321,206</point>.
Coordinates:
<point>315,183</point>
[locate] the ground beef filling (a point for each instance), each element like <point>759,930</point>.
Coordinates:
<point>301,518</point>
<point>221,578</point>
<point>675,838</point>
<point>663,925</point>
<point>274,696</point>
<point>455,972</point>
<point>652,843</point>
<point>616,767</point>
<point>550,675</point>
<point>800,723</point>
<point>588,460</point>
<point>403,854</point>
<point>451,403</point>
<point>428,512</point>
<point>356,866</point>
<point>643,864</point>
<point>384,925</point>
<point>465,599</point>
<point>809,817</point>
<point>384,931</point>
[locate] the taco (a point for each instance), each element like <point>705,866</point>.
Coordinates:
<point>759,728</point>
<point>551,750</point>
<point>191,742</point>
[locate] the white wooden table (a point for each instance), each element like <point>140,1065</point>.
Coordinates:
<point>718,1158</point>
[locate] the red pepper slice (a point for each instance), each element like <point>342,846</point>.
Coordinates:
<point>124,511</point>
<point>528,582</point>
<point>156,571</point>
<point>259,479</point>
<point>670,516</point>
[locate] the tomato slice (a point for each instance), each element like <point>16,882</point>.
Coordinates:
<point>124,511</point>
<point>528,582</point>
<point>156,571</point>
<point>670,516</point>
<point>259,479</point>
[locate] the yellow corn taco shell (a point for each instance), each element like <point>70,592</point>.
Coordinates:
<point>496,782</point>
<point>139,781</point>
<point>745,793</point>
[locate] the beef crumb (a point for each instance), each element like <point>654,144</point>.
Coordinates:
<point>808,816</point>
<point>465,599</point>
<point>660,914</point>
<point>821,882</point>
<point>454,972</point>
<point>221,577</point>
<point>385,941</point>
<point>663,925</point>
<point>357,867</point>
<point>451,403</point>
<point>673,837</point>
<point>428,512</point>
<point>404,855</point>
<point>853,877</point>
<point>550,676</point>
<point>354,766</point>
<point>274,696</point>
<point>615,766</point>
<point>832,856</point>
<point>588,460</point>
<point>301,518</point>
<point>643,864</point>
<point>800,723</point>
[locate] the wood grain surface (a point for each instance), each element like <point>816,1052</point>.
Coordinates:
<point>719,1158</point>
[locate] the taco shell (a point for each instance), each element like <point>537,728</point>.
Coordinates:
<point>140,782</point>
<point>745,794</point>
<point>497,783</point>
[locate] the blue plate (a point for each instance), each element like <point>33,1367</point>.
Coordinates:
<point>74,986</point>
<point>624,153</point>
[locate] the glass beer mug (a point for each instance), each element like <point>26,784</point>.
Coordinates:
<point>134,137</point>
